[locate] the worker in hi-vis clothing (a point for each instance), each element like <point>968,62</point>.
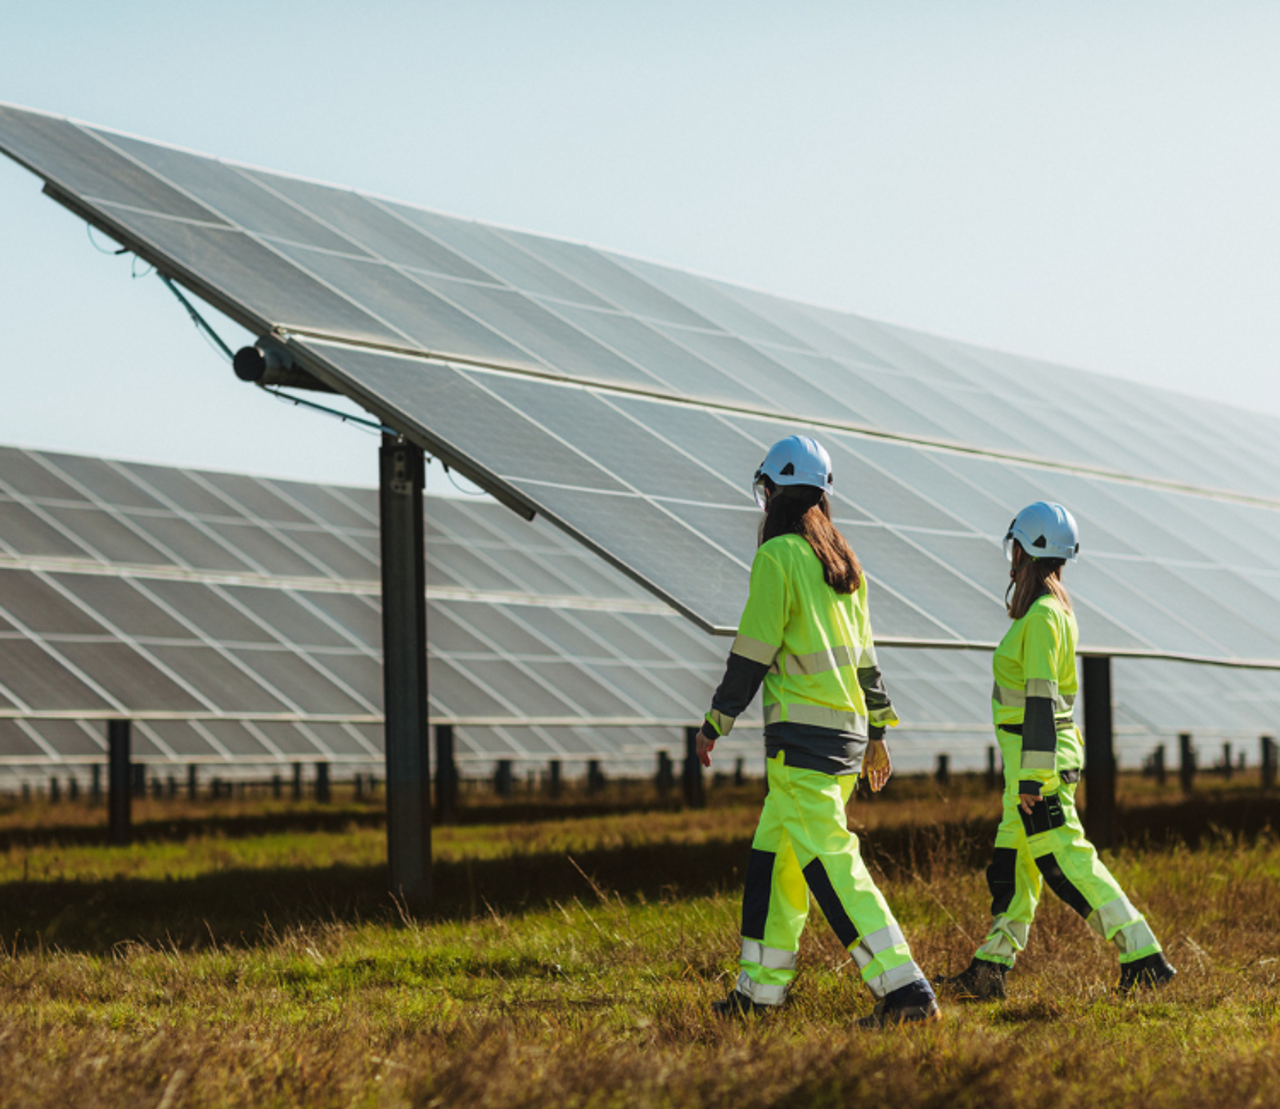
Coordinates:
<point>1040,839</point>
<point>806,636</point>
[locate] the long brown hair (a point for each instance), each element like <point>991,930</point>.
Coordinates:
<point>1031,578</point>
<point>805,511</point>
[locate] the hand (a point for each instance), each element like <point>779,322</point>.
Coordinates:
<point>877,766</point>
<point>1028,801</point>
<point>705,747</point>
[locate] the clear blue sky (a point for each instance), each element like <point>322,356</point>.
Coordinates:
<point>1093,183</point>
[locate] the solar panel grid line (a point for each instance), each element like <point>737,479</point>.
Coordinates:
<point>613,649</point>
<point>497,281</point>
<point>347,498</point>
<point>898,491</point>
<point>277,532</point>
<point>564,256</point>
<point>163,573</point>
<point>1178,573</point>
<point>63,665</point>
<point>598,548</point>
<point>490,555</point>
<point>308,732</point>
<point>219,647</point>
<point>382,232</point>
<point>268,744</point>
<point>35,138</point>
<point>521,664</point>
<point>447,291</point>
<point>42,513</point>
<point>626,485</point>
<point>141,648</point>
<point>313,659</point>
<point>560,654</point>
<point>270,257</point>
<point>909,536</point>
<point>372,749</point>
<point>34,735</point>
<point>216,745</point>
<point>142,729</point>
<point>205,525</point>
<point>539,556</point>
<point>769,381</point>
<point>114,511</point>
<point>484,248</point>
<point>263,241</point>
<point>1083,469</point>
<point>1144,598</point>
<point>728,315</point>
<point>480,683</point>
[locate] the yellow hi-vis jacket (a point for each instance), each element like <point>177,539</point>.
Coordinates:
<point>811,646</point>
<point>1035,688</point>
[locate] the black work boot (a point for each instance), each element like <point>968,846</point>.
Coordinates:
<point>910,1004</point>
<point>739,1005</point>
<point>981,980</point>
<point>1145,973</point>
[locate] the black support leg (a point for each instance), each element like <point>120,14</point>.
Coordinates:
<point>1099,753</point>
<point>404,672</point>
<point>119,782</point>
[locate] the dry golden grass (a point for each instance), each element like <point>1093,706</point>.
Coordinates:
<point>571,963</point>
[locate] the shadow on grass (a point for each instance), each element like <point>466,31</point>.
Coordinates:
<point>246,907</point>
<point>336,819</point>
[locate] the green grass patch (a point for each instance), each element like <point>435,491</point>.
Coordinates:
<point>571,962</point>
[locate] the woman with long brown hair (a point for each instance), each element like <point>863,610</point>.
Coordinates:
<point>1040,838</point>
<point>806,636</point>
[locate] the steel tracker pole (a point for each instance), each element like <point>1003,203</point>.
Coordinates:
<point>404,672</point>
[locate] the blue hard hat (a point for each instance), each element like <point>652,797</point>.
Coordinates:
<point>795,460</point>
<point>1044,530</point>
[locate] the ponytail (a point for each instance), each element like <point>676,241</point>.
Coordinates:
<point>805,511</point>
<point>1032,578</point>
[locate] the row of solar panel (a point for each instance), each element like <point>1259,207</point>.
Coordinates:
<point>943,710</point>
<point>1164,571</point>
<point>61,506</point>
<point>329,261</point>
<point>83,640</point>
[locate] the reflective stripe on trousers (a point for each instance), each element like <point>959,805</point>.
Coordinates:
<point>803,846</point>
<point>1061,856</point>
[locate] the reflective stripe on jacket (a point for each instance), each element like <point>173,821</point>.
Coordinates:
<point>1035,684</point>
<point>811,646</point>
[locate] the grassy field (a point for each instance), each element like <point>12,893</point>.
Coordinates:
<point>245,955</point>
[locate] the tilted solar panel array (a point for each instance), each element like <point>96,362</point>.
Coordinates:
<point>236,620</point>
<point>630,402</point>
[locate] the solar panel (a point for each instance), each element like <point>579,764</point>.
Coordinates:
<point>622,400</point>
<point>568,659</point>
<point>238,665</point>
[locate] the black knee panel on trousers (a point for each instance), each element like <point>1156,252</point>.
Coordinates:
<point>1057,881</point>
<point>755,895</point>
<point>1002,878</point>
<point>1045,816</point>
<point>815,874</point>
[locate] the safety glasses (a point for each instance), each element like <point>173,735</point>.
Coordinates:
<point>760,488</point>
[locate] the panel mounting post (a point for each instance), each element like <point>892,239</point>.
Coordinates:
<point>1099,753</point>
<point>404,672</point>
<point>119,785</point>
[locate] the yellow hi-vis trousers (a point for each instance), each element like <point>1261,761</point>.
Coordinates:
<point>803,845</point>
<point>1050,846</point>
